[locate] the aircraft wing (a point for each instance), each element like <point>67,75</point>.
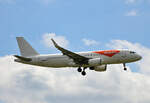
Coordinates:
<point>78,59</point>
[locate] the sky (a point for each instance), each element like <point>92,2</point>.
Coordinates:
<point>78,25</point>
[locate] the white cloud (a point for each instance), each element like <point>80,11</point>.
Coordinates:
<point>139,2</point>
<point>21,83</point>
<point>131,1</point>
<point>61,40</point>
<point>89,42</point>
<point>132,13</point>
<point>46,2</point>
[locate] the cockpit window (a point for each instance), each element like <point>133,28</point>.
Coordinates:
<point>132,52</point>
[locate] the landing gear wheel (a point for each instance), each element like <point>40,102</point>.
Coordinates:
<point>79,69</point>
<point>125,69</point>
<point>83,73</point>
<point>91,68</point>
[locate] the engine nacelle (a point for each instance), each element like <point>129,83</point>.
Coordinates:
<point>95,62</point>
<point>100,68</point>
<point>71,63</point>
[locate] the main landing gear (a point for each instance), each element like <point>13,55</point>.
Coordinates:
<point>124,65</point>
<point>82,71</point>
<point>79,69</point>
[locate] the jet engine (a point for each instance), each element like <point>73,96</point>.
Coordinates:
<point>71,63</point>
<point>94,62</point>
<point>100,68</point>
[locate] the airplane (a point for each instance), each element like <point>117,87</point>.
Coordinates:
<point>94,60</point>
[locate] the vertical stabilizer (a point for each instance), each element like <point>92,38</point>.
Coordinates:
<point>26,49</point>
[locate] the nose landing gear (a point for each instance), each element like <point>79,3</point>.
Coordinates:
<point>124,65</point>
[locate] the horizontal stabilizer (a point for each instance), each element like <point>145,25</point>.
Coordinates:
<point>23,58</point>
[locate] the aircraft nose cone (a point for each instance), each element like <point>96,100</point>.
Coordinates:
<point>139,57</point>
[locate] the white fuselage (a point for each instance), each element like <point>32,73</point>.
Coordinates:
<point>60,60</point>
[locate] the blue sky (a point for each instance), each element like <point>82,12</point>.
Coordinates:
<point>100,20</point>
